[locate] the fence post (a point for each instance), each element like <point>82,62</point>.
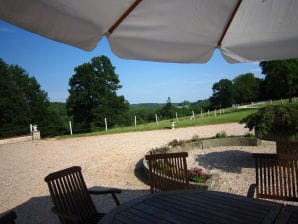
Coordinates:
<point>201,113</point>
<point>215,113</point>
<point>208,113</point>
<point>156,120</point>
<point>70,128</point>
<point>135,120</point>
<point>30,129</point>
<point>106,124</point>
<point>192,116</point>
<point>177,117</point>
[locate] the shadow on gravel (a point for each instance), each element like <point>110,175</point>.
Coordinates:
<point>37,210</point>
<point>228,161</point>
<point>140,172</point>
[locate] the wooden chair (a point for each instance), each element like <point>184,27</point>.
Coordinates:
<point>8,218</point>
<point>167,171</point>
<point>71,198</point>
<point>276,177</point>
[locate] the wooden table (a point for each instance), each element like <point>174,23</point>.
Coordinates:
<point>289,215</point>
<point>194,207</point>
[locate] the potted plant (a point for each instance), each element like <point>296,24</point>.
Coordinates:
<point>276,123</point>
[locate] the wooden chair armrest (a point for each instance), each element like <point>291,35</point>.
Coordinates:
<point>112,191</point>
<point>72,217</point>
<point>105,191</point>
<point>251,191</point>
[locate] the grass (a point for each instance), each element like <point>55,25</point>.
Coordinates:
<point>230,115</point>
<point>273,102</point>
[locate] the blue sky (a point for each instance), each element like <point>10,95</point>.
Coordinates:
<point>52,64</point>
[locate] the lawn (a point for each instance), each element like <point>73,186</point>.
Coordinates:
<point>230,115</point>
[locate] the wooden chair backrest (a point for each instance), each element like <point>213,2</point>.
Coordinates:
<point>277,176</point>
<point>289,147</point>
<point>70,195</point>
<point>167,171</point>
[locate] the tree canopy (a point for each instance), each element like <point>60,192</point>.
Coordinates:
<point>22,102</point>
<point>281,78</point>
<point>167,111</point>
<point>223,93</point>
<point>93,97</point>
<point>247,88</point>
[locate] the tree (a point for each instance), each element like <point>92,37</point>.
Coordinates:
<point>247,88</point>
<point>92,96</point>
<point>281,78</point>
<point>223,94</point>
<point>167,111</point>
<point>200,105</point>
<point>22,102</point>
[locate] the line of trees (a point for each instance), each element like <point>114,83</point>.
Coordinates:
<point>244,88</point>
<point>281,81</point>
<point>93,97</point>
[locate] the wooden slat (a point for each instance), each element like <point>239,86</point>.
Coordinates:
<point>167,171</point>
<point>194,207</point>
<point>257,177</point>
<point>273,175</point>
<point>280,178</point>
<point>276,176</point>
<point>276,179</point>
<point>194,215</point>
<point>165,216</point>
<point>70,195</point>
<point>289,215</point>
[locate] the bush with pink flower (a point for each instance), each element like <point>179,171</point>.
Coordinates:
<point>198,175</point>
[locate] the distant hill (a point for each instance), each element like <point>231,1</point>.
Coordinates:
<point>152,106</point>
<point>185,104</point>
<point>60,107</point>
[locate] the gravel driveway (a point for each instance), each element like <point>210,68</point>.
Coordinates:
<point>111,161</point>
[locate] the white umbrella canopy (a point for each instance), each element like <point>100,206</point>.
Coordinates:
<point>185,31</point>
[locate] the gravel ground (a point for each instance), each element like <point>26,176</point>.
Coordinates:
<point>111,161</point>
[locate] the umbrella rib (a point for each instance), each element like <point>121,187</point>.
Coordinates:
<point>124,15</point>
<point>229,23</point>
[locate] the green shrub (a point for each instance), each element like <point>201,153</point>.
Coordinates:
<point>195,138</point>
<point>279,120</point>
<point>248,134</point>
<point>222,134</point>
